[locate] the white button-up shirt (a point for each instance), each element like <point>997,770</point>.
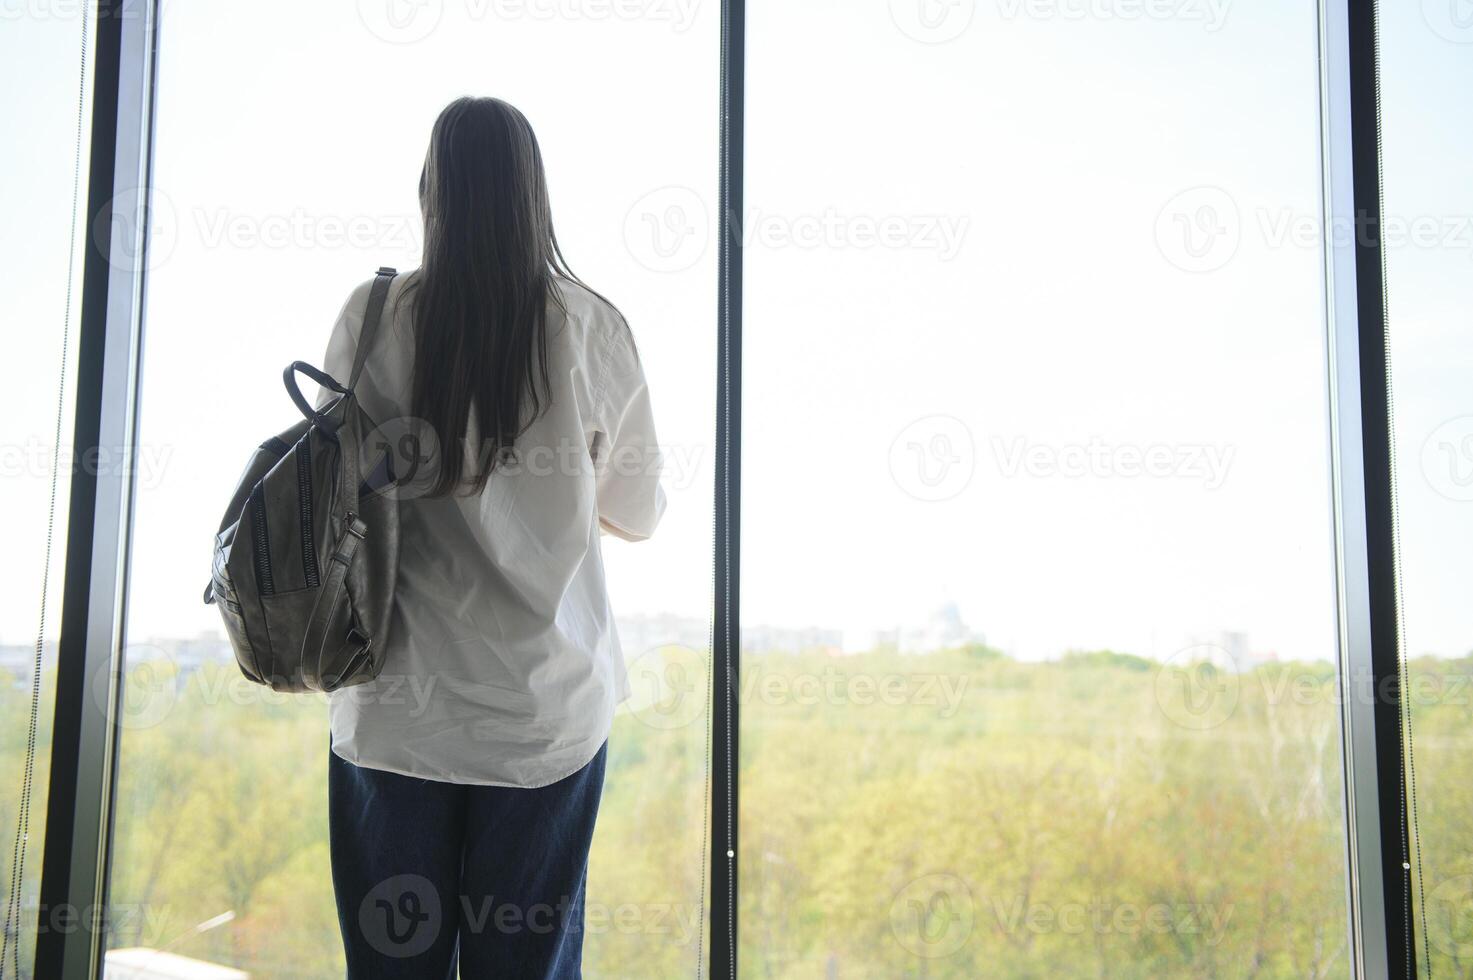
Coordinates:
<point>503,665</point>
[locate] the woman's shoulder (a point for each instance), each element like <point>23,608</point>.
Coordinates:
<point>593,328</point>
<point>356,305</point>
<point>588,312</point>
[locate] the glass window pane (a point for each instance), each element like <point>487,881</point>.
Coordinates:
<point>45,53</point>
<point>288,155</point>
<point>1427,149</point>
<point>1038,600</point>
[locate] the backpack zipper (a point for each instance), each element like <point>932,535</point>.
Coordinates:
<point>304,504</point>
<point>262,541</point>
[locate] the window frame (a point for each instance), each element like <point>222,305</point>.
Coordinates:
<point>111,327</point>
<point>69,928</point>
<point>1368,629</point>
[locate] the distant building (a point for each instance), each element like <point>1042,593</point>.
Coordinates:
<point>1234,643</point>
<point>777,639</point>
<point>638,634</point>
<point>18,659</point>
<point>17,662</point>
<point>186,653</point>
<point>944,629</point>
<point>871,641</point>
<point>643,632</point>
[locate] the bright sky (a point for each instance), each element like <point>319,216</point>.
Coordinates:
<point>1033,304</point>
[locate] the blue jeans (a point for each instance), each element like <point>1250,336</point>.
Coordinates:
<point>426,871</point>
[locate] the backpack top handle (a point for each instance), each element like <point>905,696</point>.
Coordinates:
<point>289,378</point>
<point>371,316</point>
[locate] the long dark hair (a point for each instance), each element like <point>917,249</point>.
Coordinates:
<point>480,297</point>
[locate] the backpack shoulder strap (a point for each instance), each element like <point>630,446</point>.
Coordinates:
<point>371,316</point>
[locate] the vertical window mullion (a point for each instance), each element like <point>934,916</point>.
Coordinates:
<point>726,646</point>
<point>70,920</point>
<point>1379,879</point>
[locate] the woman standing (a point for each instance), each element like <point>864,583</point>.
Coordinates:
<point>464,782</point>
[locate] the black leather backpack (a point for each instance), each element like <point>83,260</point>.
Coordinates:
<point>308,551</point>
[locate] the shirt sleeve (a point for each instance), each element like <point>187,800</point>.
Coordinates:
<point>626,452</point>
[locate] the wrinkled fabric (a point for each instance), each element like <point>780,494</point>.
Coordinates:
<point>503,663</point>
